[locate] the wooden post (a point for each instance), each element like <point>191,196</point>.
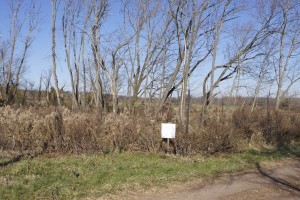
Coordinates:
<point>168,145</point>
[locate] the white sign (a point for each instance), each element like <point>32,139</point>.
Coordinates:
<point>168,130</point>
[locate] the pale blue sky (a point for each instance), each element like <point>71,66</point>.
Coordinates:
<point>40,51</point>
<point>39,59</point>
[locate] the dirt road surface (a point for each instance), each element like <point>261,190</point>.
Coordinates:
<point>280,181</point>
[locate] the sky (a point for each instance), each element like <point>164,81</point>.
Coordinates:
<point>39,59</point>
<point>39,53</point>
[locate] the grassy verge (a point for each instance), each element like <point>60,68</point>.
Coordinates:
<point>68,177</point>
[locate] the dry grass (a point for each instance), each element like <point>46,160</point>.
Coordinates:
<point>39,130</point>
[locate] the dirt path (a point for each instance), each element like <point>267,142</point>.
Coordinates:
<point>280,181</point>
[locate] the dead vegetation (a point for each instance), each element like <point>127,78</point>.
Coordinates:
<point>51,130</point>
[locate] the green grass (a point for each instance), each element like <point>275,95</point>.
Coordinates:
<point>69,177</point>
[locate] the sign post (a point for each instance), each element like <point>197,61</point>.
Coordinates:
<point>168,131</point>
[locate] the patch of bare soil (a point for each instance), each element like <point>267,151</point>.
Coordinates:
<point>279,180</point>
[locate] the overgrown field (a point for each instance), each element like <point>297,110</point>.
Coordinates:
<point>61,154</point>
<point>48,130</point>
<point>81,176</point>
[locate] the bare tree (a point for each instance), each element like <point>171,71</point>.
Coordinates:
<point>75,20</point>
<point>148,26</point>
<point>189,31</point>
<point>70,15</point>
<point>33,17</point>
<point>82,57</point>
<point>292,77</point>
<point>3,61</point>
<point>15,30</point>
<point>247,40</point>
<point>288,39</point>
<point>99,11</point>
<point>227,13</point>
<point>262,70</point>
<point>24,17</point>
<point>189,25</point>
<point>112,65</point>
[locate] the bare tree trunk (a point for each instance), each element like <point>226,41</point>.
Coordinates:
<point>40,89</point>
<point>14,34</point>
<point>99,13</point>
<point>83,99</point>
<point>114,77</point>
<point>92,83</point>
<point>163,68</point>
<point>214,57</point>
<point>257,89</point>
<point>238,85</point>
<point>281,68</point>
<point>66,34</point>
<point>99,89</point>
<point>54,10</point>
<point>82,52</point>
<point>47,79</point>
<point>114,98</point>
<point>218,29</point>
<point>183,104</point>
